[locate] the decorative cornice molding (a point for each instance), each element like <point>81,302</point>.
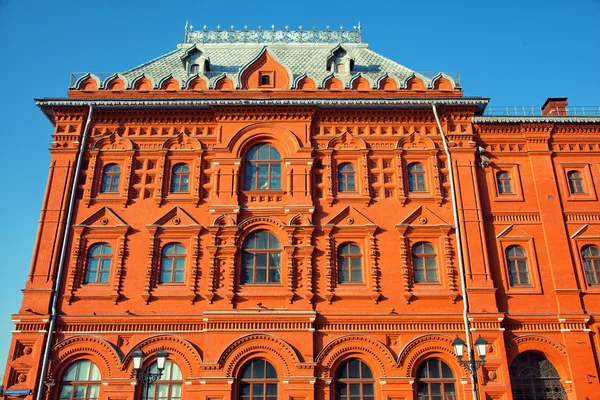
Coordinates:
<point>523,119</point>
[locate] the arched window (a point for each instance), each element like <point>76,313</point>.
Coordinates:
<point>591,264</point>
<point>172,266</point>
<point>262,168</point>
<point>435,381</point>
<point>110,179</point>
<point>424,263</point>
<point>81,381</point>
<point>575,182</point>
<point>168,386</point>
<point>416,178</point>
<point>504,182</point>
<point>346,178</point>
<point>518,273</point>
<point>261,258</point>
<point>98,263</point>
<point>354,381</point>
<point>349,264</point>
<point>180,178</point>
<point>532,376</point>
<point>258,381</point>
<point>194,68</point>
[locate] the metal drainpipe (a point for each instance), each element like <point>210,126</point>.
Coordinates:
<point>63,256</point>
<point>461,265</point>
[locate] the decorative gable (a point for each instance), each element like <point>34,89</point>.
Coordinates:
<point>350,217</point>
<point>264,72</point>
<point>587,232</point>
<point>515,232</point>
<point>423,218</point>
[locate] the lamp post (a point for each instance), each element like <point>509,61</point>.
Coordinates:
<point>472,364</point>
<point>148,378</point>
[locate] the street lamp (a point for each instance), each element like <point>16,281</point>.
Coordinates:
<point>148,378</point>
<point>472,364</point>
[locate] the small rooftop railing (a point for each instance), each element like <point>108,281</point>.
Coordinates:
<point>536,111</point>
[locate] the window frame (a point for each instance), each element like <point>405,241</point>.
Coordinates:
<point>515,178</point>
<point>264,381</point>
<point>172,257</point>
<point>246,172</point>
<point>179,177</point>
<point>595,264</point>
<point>349,175</point>
<point>515,236</point>
<point>75,383</point>
<point>516,259</point>
<point>100,257</point>
<point>425,256</point>
<point>422,174</point>
<point>442,381</point>
<point>504,183</point>
<point>111,178</point>
<point>348,382</point>
<point>268,252</point>
<point>350,256</point>
<point>153,393</point>
<point>587,180</point>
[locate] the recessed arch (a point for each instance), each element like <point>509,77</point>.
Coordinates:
<point>114,141</point>
<point>115,82</point>
<point>305,83</point>
<point>196,82</point>
<point>223,83</point>
<point>278,136</point>
<point>180,350</point>
<point>386,82</point>
<point>300,220</point>
<point>442,82</point>
<point>274,349</point>
<point>554,351</point>
<point>427,346</point>
<point>376,354</point>
<point>169,83</point>
<point>142,82</point>
<point>224,220</point>
<point>333,83</point>
<point>105,355</point>
<point>183,141</point>
<point>271,225</point>
<point>88,81</point>
<point>413,82</point>
<point>360,82</point>
<point>415,141</point>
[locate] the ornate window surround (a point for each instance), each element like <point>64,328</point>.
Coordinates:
<point>588,181</point>
<point>352,226</point>
<point>104,226</point>
<point>515,175</point>
<point>586,235</point>
<point>514,235</point>
<point>111,149</point>
<point>175,226</point>
<point>417,148</point>
<point>422,225</point>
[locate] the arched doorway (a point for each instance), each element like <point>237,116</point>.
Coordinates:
<point>533,377</point>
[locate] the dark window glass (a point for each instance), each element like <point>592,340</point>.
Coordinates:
<point>518,272</point>
<point>435,381</point>
<point>180,178</point>
<point>261,258</point>
<point>168,385</point>
<point>98,263</point>
<point>354,381</point>
<point>349,264</point>
<point>575,182</point>
<point>346,178</point>
<point>265,80</point>
<point>591,264</point>
<point>81,381</point>
<point>416,178</point>
<point>262,169</point>
<point>258,381</point>
<point>424,263</point>
<point>504,182</point>
<point>110,179</point>
<point>195,68</point>
<point>533,377</point>
<point>173,264</point>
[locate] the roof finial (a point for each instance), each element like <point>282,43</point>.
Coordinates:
<point>359,26</point>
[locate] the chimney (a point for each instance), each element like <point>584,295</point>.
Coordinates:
<point>555,106</point>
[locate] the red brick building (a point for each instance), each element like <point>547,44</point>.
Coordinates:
<point>291,215</point>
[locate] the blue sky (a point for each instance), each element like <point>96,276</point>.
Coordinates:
<point>515,52</point>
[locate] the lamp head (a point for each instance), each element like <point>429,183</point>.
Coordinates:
<point>138,358</point>
<point>459,347</point>
<point>481,345</point>
<point>161,359</point>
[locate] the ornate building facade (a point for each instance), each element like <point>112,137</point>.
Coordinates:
<point>291,215</point>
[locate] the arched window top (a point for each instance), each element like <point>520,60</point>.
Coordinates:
<point>174,248</point>
<point>423,248</point>
<point>503,180</point>
<point>346,178</point>
<point>98,263</point>
<point>194,68</point>
<point>168,385</point>
<point>346,167</point>
<point>415,167</point>
<point>515,251</point>
<point>263,152</point>
<point>112,168</point>
<point>590,251</point>
<point>349,248</point>
<point>503,174</point>
<point>435,381</point>
<point>261,258</point>
<point>258,381</point>
<point>100,248</point>
<point>532,376</point>
<point>181,168</point>
<point>354,381</point>
<point>574,174</point>
<point>81,381</point>
<point>260,240</point>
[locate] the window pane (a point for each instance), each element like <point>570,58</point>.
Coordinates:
<point>262,239</point>
<point>418,262</point>
<point>103,277</point>
<point>351,184</point>
<point>79,392</point>
<point>419,276</point>
<point>446,371</point>
<point>274,275</point>
<point>175,391</point>
<point>163,390</point>
<point>368,388</point>
<point>272,389</point>
<point>276,170</point>
<point>432,275</point>
<point>84,371</point>
<point>449,388</point>
<point>180,264</point>
<point>524,278</point>
<point>271,373</point>
<point>366,372</point>
<point>342,389</point>
<point>355,389</point>
<point>356,275</point>
<point>93,392</point>
<point>275,183</point>
<point>259,368</point>
<point>274,259</point>
<point>430,262</point>
<point>344,276</point>
<point>260,259</point>
<point>275,154</point>
<point>436,388</point>
<point>178,276</point>
<point>247,275</point>
<point>261,276</point>
<point>263,152</point>
<point>65,392</point>
<point>434,368</point>
<point>354,368</point>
